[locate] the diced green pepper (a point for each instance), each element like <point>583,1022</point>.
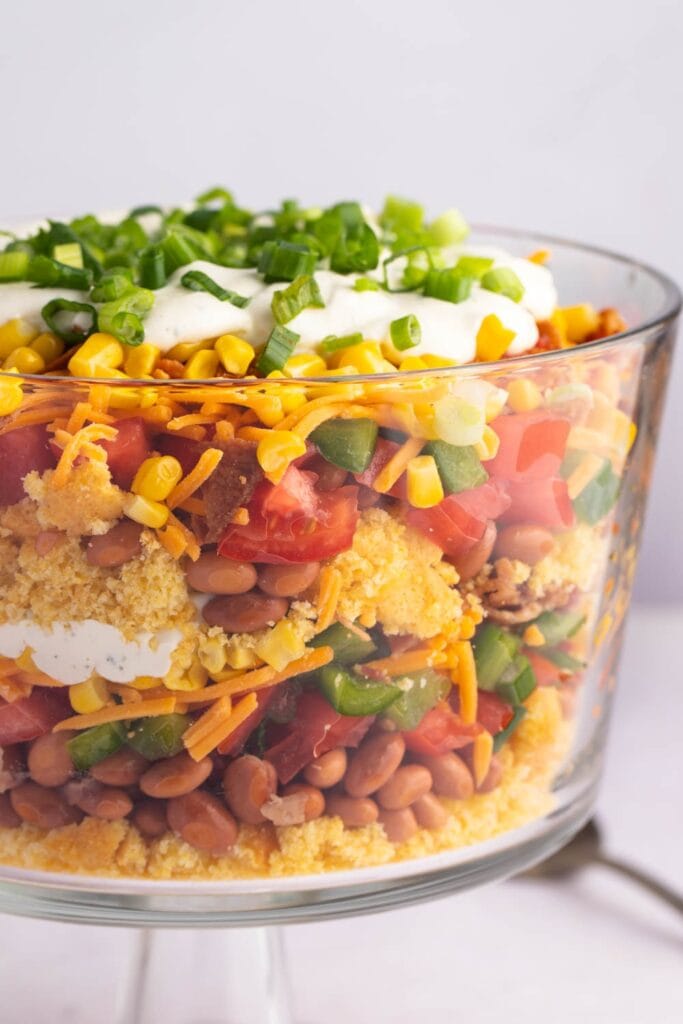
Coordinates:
<point>350,695</point>
<point>349,444</point>
<point>558,626</point>
<point>93,745</point>
<point>598,496</point>
<point>561,658</point>
<point>494,651</point>
<point>420,692</point>
<point>517,681</point>
<point>348,647</point>
<point>459,468</point>
<point>504,735</point>
<point>158,737</point>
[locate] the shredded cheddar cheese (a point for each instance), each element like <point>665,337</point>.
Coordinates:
<point>328,596</point>
<point>119,713</point>
<point>223,729</point>
<point>204,467</point>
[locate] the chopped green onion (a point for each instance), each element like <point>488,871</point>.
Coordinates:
<point>70,332</point>
<point>401,215</point>
<point>59,233</point>
<point>178,252</point>
<point>279,347</point>
<point>334,342</point>
<point>284,261</point>
<point>366,284</point>
<point>197,281</point>
<point>474,266</point>
<point>559,626</point>
<point>405,332</point>
<point>142,211</point>
<point>13,266</point>
<point>503,281</point>
<point>123,317</point>
<point>407,269</point>
<point>448,229</point>
<point>153,267</point>
<point>213,195</point>
<point>302,293</point>
<point>355,252</point>
<point>69,253</point>
<point>448,285</point>
<point>112,285</point>
<point>504,735</point>
<point>43,270</point>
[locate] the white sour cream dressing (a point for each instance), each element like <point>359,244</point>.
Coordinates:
<point>72,651</point>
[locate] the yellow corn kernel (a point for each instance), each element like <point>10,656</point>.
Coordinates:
<point>156,477</point>
<point>11,396</point>
<point>212,654</point>
<point>145,683</point>
<point>147,513</point>
<point>292,396</point>
<point>579,321</point>
<point>280,645</point>
<point>424,483</point>
<point>558,321</point>
<point>277,450</point>
<point>242,657</point>
<point>100,351</point>
<point>268,409</point>
<point>192,678</point>
<point>140,361</point>
<point>412,363</point>
<point>92,695</point>
<point>202,365</point>
<point>487,447</point>
<point>523,395</point>
<point>533,637</point>
<point>24,360</point>
<point>366,357</point>
<point>493,339</point>
<point>437,362</point>
<point>235,354</point>
<point>184,349</point>
<point>304,364</point>
<point>48,346</point>
<point>14,333</point>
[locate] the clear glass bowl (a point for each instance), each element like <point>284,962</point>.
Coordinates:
<point>419,777</point>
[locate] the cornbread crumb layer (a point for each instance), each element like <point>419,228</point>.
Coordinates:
<point>116,849</point>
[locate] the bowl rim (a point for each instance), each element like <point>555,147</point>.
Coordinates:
<point>672,302</point>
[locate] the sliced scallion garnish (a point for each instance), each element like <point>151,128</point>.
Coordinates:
<point>61,316</point>
<point>503,281</point>
<point>405,332</point>
<point>474,266</point>
<point>334,342</point>
<point>448,285</point>
<point>123,317</point>
<point>152,266</point>
<point>285,261</point>
<point>401,215</point>
<point>69,253</point>
<point>279,347</point>
<point>301,294</point>
<point>13,266</point>
<point>112,285</point>
<point>47,272</point>
<point>366,284</point>
<point>198,281</point>
<point>449,228</point>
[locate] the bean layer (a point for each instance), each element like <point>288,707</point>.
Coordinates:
<point>106,802</point>
<point>203,822</point>
<point>450,775</point>
<point>398,825</point>
<point>116,547</point>
<point>175,776</point>
<point>430,812</point>
<point>49,761</point>
<point>213,574</point>
<point>124,768</point>
<point>353,811</point>
<point>8,816</point>
<point>247,783</point>
<point>406,785</point>
<point>314,801</point>
<point>374,763</point>
<point>524,543</point>
<point>474,560</point>
<point>327,770</point>
<point>287,580</point>
<point>149,817</point>
<point>46,808</point>
<point>245,613</point>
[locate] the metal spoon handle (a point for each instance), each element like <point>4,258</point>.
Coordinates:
<point>644,879</point>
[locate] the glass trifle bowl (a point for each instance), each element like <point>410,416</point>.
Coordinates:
<point>352,610</point>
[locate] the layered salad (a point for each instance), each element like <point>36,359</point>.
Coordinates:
<point>304,517</point>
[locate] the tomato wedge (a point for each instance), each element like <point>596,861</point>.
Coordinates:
<point>127,451</point>
<point>440,730</point>
<point>493,712</point>
<point>316,729</point>
<point>532,446</point>
<point>31,717</point>
<point>542,502</point>
<point>236,740</point>
<point>21,451</point>
<point>320,526</point>
<point>458,522</point>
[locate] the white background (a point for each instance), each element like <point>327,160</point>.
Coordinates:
<point>557,117</point>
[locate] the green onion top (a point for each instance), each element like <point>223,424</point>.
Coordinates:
<point>301,294</point>
<point>197,281</point>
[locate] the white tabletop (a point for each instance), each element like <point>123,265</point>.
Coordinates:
<point>594,949</point>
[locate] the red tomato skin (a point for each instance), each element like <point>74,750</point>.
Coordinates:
<point>21,451</point>
<point>31,717</point>
<point>440,730</point>
<point>493,713</point>
<point>234,744</point>
<point>383,453</point>
<point>458,522</point>
<point>293,496</point>
<point>184,449</point>
<point>541,502</point>
<point>532,446</point>
<point>127,451</point>
<point>546,673</point>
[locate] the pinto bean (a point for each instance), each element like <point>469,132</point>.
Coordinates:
<point>374,763</point>
<point>430,812</point>
<point>106,802</point>
<point>175,776</point>
<point>327,770</point>
<point>406,785</point>
<point>474,560</point>
<point>450,775</point>
<point>213,574</point>
<point>202,821</point>
<point>49,760</point>
<point>116,547</point>
<point>353,811</point>
<point>124,768</point>
<point>46,540</point>
<point>493,776</point>
<point>247,783</point>
<point>244,613</point>
<point>12,768</point>
<point>287,580</point>
<point>398,825</point>
<point>46,808</point>
<point>524,542</point>
<point>8,816</point>
<point>149,818</point>
<point>314,801</point>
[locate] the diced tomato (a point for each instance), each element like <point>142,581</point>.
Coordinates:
<point>31,717</point>
<point>458,522</point>
<point>532,446</point>
<point>22,451</point>
<point>236,740</point>
<point>493,712</point>
<point>541,502</point>
<point>316,729</point>
<point>185,450</point>
<point>440,730</point>
<point>300,536</point>
<point>128,450</point>
<point>546,673</point>
<point>384,452</point>
<point>293,496</point>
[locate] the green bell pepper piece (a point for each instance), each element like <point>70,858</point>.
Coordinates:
<point>598,496</point>
<point>504,735</point>
<point>349,444</point>
<point>420,692</point>
<point>494,651</point>
<point>348,647</point>
<point>350,695</point>
<point>161,736</point>
<point>561,658</point>
<point>558,626</point>
<point>460,468</point>
<point>93,745</point>
<point>517,681</point>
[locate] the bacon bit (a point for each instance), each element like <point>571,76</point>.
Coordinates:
<point>230,486</point>
<point>173,367</point>
<point>240,516</point>
<point>610,321</point>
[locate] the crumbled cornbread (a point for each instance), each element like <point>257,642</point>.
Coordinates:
<point>396,576</point>
<point>21,519</point>
<point>88,503</point>
<point>575,559</point>
<point>117,849</point>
